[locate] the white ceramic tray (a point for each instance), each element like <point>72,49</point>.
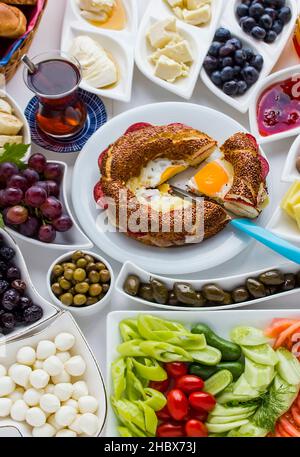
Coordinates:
<point>290,172</point>
<point>220,322</point>
<point>199,38</point>
<point>226,283</point>
<point>119,43</point>
<point>270,53</point>
<point>93,377</point>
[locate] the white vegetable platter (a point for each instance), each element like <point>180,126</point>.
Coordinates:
<point>220,323</point>
<point>118,43</point>
<point>290,172</point>
<point>227,284</point>
<point>49,309</point>
<point>93,377</point>
<point>199,39</point>
<point>73,238</point>
<point>270,53</point>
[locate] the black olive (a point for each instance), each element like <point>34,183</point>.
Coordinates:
<point>132,285</point>
<point>213,293</point>
<point>272,278</point>
<point>145,292</point>
<point>160,291</point>
<point>289,282</point>
<point>256,288</point>
<point>185,294</point>
<point>240,295</point>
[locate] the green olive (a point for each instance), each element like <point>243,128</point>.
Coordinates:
<point>68,274</point>
<point>185,294</point>
<point>56,289</point>
<point>160,291</point>
<point>104,276</point>
<point>77,255</point>
<point>69,266</point>
<point>105,288</point>
<point>240,295</point>
<point>72,291</point>
<point>94,290</point>
<point>66,299</point>
<point>82,288</point>
<point>79,275</point>
<point>228,299</point>
<point>91,301</point>
<point>91,266</point>
<point>213,293</point>
<point>173,300</point>
<point>64,284</point>
<point>57,271</point>
<point>80,300</point>
<point>100,266</point>
<point>94,277</point>
<point>289,282</point>
<point>89,258</point>
<point>272,278</point>
<point>81,263</point>
<point>145,292</point>
<point>132,285</point>
<point>256,288</point>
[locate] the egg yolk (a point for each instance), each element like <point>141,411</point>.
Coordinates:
<point>170,172</point>
<point>211,179</point>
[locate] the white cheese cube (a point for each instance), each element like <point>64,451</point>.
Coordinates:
<point>169,70</point>
<point>159,34</point>
<point>197,17</point>
<point>175,3</point>
<point>195,4</point>
<point>180,52</point>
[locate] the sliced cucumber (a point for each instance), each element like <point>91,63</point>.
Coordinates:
<point>218,382</point>
<point>248,431</point>
<point>222,428</point>
<point>248,336</point>
<point>288,366</point>
<point>258,375</point>
<point>262,354</point>
<point>242,387</point>
<point>209,356</point>
<point>232,411</point>
<point>229,419</point>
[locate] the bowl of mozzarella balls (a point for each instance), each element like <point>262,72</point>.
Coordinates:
<point>46,393</point>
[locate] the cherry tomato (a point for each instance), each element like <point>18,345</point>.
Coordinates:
<point>195,428</point>
<point>189,384</point>
<point>137,126</point>
<point>199,415</point>
<point>161,386</point>
<point>176,369</point>
<point>164,414</point>
<point>169,430</point>
<point>202,400</point>
<point>178,404</point>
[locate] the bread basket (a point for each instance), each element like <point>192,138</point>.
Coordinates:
<point>10,61</point>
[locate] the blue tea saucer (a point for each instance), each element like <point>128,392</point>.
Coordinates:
<point>97,116</point>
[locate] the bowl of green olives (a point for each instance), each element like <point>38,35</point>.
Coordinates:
<point>81,282</point>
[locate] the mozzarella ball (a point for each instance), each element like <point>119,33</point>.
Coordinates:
<point>64,341</point>
<point>65,433</point>
<point>19,410</point>
<point>17,394</point>
<point>65,416</point>
<point>75,366</point>
<point>72,403</point>
<point>52,421</point>
<point>7,386</point>
<point>26,356</point>
<point>45,431</point>
<point>38,365</point>
<point>63,356</point>
<point>49,389</point>
<point>63,391</point>
<point>20,374</point>
<point>75,425</point>
<point>89,424</point>
<point>5,406</point>
<point>53,366</point>
<point>87,404</point>
<point>3,371</point>
<point>32,397</point>
<point>49,403</point>
<point>39,379</point>
<point>80,390</point>
<point>45,349</point>
<point>63,377</point>
<point>35,417</point>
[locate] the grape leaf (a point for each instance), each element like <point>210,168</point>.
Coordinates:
<point>14,153</point>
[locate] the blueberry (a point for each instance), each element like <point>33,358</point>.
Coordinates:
<point>270,37</point>
<point>214,49</point>
<point>242,10</point>
<point>285,14</point>
<point>247,2</point>
<point>226,50</point>
<point>256,10</point>
<point>227,62</point>
<point>249,53</point>
<point>3,266</point>
<point>4,285</point>
<point>13,273</point>
<point>33,314</point>
<point>250,75</point>
<point>278,26</point>
<point>7,321</point>
<point>235,42</point>
<point>227,74</point>
<point>248,24</point>
<point>257,62</point>
<point>216,78</point>
<point>25,302</point>
<point>230,88</point>
<point>279,3</point>
<point>271,12</point>
<point>7,253</point>
<point>266,22</point>
<point>222,35</point>
<point>270,3</point>
<point>237,71</point>
<point>242,87</point>
<point>258,32</point>
<point>240,56</point>
<point>210,64</point>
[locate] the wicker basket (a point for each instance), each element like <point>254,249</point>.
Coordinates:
<point>10,69</point>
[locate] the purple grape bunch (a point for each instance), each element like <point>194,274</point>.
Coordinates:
<point>29,199</point>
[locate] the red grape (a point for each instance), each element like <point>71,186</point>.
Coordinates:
<point>37,162</point>
<point>35,196</point>
<point>47,234</point>
<point>43,185</point>
<point>13,196</point>
<point>18,182</point>
<point>53,172</point>
<point>17,215</point>
<point>7,170</point>
<point>63,223</point>
<point>31,176</point>
<point>52,208</point>
<point>53,188</point>
<point>30,227</point>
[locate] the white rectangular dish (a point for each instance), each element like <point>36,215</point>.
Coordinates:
<point>220,322</point>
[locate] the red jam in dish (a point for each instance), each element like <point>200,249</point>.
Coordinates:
<point>279,107</point>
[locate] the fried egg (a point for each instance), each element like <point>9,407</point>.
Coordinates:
<point>161,200</point>
<point>156,173</point>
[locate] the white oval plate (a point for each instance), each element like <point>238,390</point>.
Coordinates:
<point>175,261</point>
<point>227,284</point>
<point>93,377</point>
<point>118,43</point>
<point>73,239</point>
<point>262,86</point>
<point>199,38</point>
<point>270,53</point>
<point>290,172</point>
<point>222,323</point>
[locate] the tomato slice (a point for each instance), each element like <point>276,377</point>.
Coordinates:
<point>178,404</point>
<point>169,430</point>
<point>99,196</point>
<point>253,139</point>
<point>137,126</point>
<point>189,384</point>
<point>195,429</point>
<point>202,401</point>
<point>176,369</point>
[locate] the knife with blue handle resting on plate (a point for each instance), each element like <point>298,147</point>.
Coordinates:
<point>260,234</point>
